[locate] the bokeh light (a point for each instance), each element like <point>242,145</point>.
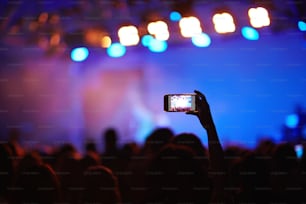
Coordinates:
<point>190,26</point>
<point>201,40</point>
<point>157,45</point>
<point>146,39</point>
<point>292,121</point>
<point>259,17</point>
<point>79,54</point>
<point>116,50</point>
<point>175,16</point>
<point>224,23</point>
<point>302,26</point>
<point>298,150</point>
<point>106,41</point>
<point>159,30</point>
<point>128,35</point>
<point>250,33</point>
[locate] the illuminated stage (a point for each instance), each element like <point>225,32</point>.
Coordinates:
<point>251,85</point>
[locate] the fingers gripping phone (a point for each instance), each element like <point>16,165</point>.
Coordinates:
<point>180,102</point>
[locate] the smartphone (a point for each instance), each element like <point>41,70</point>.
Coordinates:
<point>180,102</point>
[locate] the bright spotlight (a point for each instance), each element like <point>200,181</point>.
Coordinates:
<point>79,54</point>
<point>157,45</point>
<point>175,16</point>
<point>201,40</point>
<point>128,35</point>
<point>292,120</point>
<point>159,30</point>
<point>250,33</point>
<point>106,41</point>
<point>302,25</point>
<point>259,17</point>
<point>190,26</point>
<point>224,23</point>
<point>116,50</point>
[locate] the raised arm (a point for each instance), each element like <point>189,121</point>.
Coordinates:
<point>216,154</point>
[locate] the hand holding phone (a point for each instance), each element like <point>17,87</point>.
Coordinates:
<point>180,103</point>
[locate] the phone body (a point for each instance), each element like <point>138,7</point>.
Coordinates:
<point>180,102</point>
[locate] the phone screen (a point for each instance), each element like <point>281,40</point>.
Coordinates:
<point>179,102</point>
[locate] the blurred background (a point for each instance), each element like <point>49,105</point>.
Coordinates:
<point>70,69</point>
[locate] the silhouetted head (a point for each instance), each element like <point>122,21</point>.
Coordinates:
<point>91,146</point>
<point>253,171</point>
<point>110,137</point>
<point>89,160</point>
<point>175,176</point>
<point>192,141</point>
<point>284,157</point>
<point>67,151</point>
<point>128,150</point>
<point>265,147</point>
<point>158,138</point>
<point>29,160</point>
<point>100,186</point>
<point>38,184</point>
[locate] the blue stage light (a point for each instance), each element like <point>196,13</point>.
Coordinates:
<point>302,25</point>
<point>201,40</point>
<point>79,54</point>
<point>292,120</point>
<point>116,50</point>
<point>250,33</point>
<point>175,16</point>
<point>157,45</point>
<point>298,150</point>
<point>146,39</point>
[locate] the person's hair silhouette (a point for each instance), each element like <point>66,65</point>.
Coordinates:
<point>37,184</point>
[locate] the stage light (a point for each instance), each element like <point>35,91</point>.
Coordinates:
<point>175,16</point>
<point>224,23</point>
<point>43,17</point>
<point>55,39</point>
<point>54,19</point>
<point>97,37</point>
<point>201,40</point>
<point>292,120</point>
<point>298,150</point>
<point>159,30</point>
<point>157,45</point>
<point>79,54</point>
<point>116,50</point>
<point>259,17</point>
<point>302,25</point>
<point>249,33</point>
<point>106,41</point>
<point>128,35</point>
<point>190,26</point>
<point>146,39</point>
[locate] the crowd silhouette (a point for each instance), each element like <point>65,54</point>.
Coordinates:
<point>168,168</point>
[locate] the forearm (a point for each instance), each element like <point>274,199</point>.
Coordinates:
<point>216,154</point>
<point>216,157</point>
